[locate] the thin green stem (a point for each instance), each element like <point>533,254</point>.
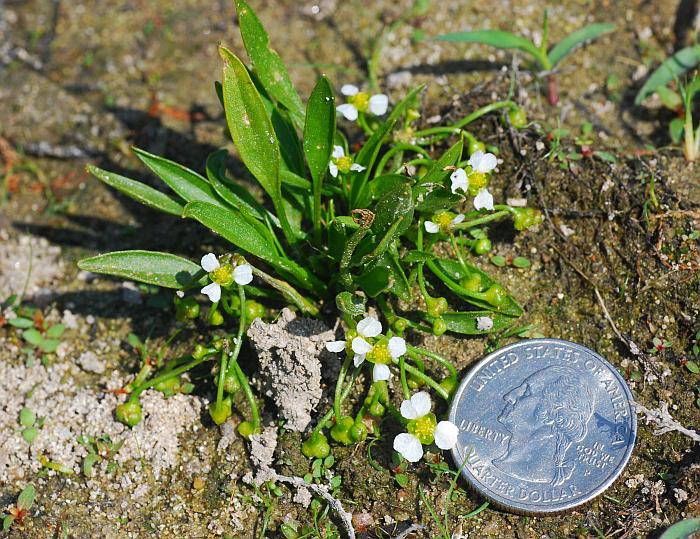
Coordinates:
<point>242,378</point>
<point>337,401</point>
<point>165,376</point>
<point>495,216</point>
<point>362,122</point>
<point>437,357</point>
<point>404,383</point>
<point>330,413</point>
<point>402,147</point>
<point>428,380</point>
<point>470,118</point>
<point>458,252</point>
<point>223,368</point>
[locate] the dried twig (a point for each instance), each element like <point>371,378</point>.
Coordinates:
<point>408,531</point>
<point>664,421</point>
<point>345,517</point>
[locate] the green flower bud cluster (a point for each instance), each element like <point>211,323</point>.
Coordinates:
<point>316,446</point>
<point>220,411</point>
<point>348,431</point>
<point>524,218</point>
<point>377,398</point>
<point>186,308</point>
<point>129,413</point>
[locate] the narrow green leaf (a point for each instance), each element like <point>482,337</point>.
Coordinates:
<point>465,322</point>
<point>670,69</point>
<point>140,192</point>
<point>396,205</point>
<point>26,498</point>
<point>49,346</point>
<point>237,196</point>
<point>54,332</point>
<point>685,529</point>
<point>588,33</point>
<point>267,63</point>
<point>439,170</point>
<point>494,38</point>
<point>291,149</point>
<point>185,182</point>
<point>151,267</point>
<point>252,132</point>
<point>21,323</point>
<point>369,151</point>
<point>319,132</point>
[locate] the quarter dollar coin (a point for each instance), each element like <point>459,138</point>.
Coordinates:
<point>545,425</point>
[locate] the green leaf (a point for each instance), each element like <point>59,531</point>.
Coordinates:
<point>21,323</point>
<point>566,46</point>
<point>675,129</point>
<point>235,195</point>
<point>369,151</point>
<point>521,262</point>
<point>685,529</point>
<point>234,227</point>
<point>396,205</point>
<point>252,132</point>
<point>692,367</point>
<point>27,417</point>
<point>89,463</point>
<point>381,185</point>
<point>417,256</point>
<point>54,332</point>
<point>49,346</point>
<point>26,498</point>
<point>151,267</point>
<point>351,304</point>
<point>267,63</point>
<point>32,336</point>
<point>7,521</point>
<point>401,479</point>
<point>465,322</point>
<point>438,173</point>
<point>498,260</point>
<point>670,69</point>
<point>319,132</point>
<point>140,192</point>
<point>494,38</point>
<point>669,98</point>
<point>290,146</point>
<point>185,182</point>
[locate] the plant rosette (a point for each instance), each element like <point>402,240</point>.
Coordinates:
<point>423,429</point>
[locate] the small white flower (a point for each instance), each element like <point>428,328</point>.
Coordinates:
<point>212,291</point>
<point>361,102</point>
<point>210,262</point>
<point>459,180</point>
<point>355,167</point>
<point>483,162</point>
<point>409,446</point>
<point>434,228</point>
<point>339,162</point>
<point>483,200</point>
<point>414,409</point>
<point>397,347</point>
<point>380,372</point>
<point>335,346</point>
<point>484,323</point>
<point>243,274</point>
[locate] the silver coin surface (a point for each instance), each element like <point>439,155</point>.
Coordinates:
<point>545,425</point>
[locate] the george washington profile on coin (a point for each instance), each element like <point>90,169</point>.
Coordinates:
<point>545,416</point>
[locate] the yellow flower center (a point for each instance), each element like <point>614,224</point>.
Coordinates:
<point>477,180</point>
<point>343,163</point>
<point>444,221</point>
<point>423,428</point>
<point>360,100</point>
<point>379,354</point>
<point>222,275</point>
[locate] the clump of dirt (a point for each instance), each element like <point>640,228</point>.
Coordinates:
<point>291,353</point>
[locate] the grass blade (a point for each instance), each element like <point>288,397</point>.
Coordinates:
<point>670,69</point>
<point>588,33</point>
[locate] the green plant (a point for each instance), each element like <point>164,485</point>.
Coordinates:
<point>20,511</point>
<point>337,230</point>
<point>545,58</point>
<point>100,449</point>
<point>41,338</point>
<point>671,69</point>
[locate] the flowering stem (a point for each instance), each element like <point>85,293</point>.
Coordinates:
<point>396,149</point>
<point>339,385</point>
<point>242,378</point>
<point>404,383</point>
<point>428,380</point>
<point>331,412</point>
<point>481,220</point>
<point>466,120</point>
<point>223,369</point>
<point>458,252</point>
<point>134,397</point>
<point>362,122</point>
<point>288,291</point>
<point>414,351</point>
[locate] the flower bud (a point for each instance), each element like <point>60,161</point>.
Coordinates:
<point>439,327</point>
<point>400,324</point>
<point>316,446</point>
<point>231,383</point>
<point>129,413</point>
<point>215,317</point>
<point>482,246</point>
<point>517,117</point>
<point>253,310</point>
<point>472,283</point>
<point>496,295</point>
<point>526,217</point>
<point>200,351</point>
<point>187,309</point>
<point>168,387</point>
<point>341,430</point>
<point>247,429</point>
<point>220,411</point>
<point>376,409</point>
<point>436,306</point>
<point>358,432</point>
<point>475,146</point>
<point>449,384</point>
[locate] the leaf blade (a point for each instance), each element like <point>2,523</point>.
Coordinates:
<point>495,38</point>
<point>670,69</point>
<point>151,267</point>
<point>588,33</point>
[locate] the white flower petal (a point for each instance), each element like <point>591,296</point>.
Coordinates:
<point>380,372</point>
<point>360,346</point>
<point>409,446</point>
<point>483,162</point>
<point>446,434</point>
<point>484,323</point>
<point>459,180</point>
<point>357,168</point>
<point>397,347</point>
<point>458,219</point>
<point>210,262</point>
<point>358,360</point>
<point>212,291</point>
<point>432,228</point>
<point>338,152</point>
<point>378,104</point>
<point>243,274</point>
<point>333,169</point>
<point>335,346</point>
<point>348,111</point>
<point>369,326</point>
<point>349,89</point>
<point>421,403</point>
<point>483,200</point>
